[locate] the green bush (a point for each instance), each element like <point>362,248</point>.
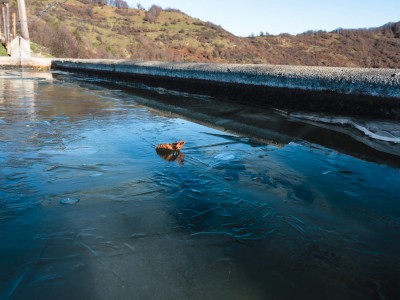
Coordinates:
<point>3,51</point>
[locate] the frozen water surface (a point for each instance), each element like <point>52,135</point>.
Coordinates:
<point>227,218</point>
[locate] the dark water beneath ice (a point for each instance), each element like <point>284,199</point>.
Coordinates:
<point>88,210</point>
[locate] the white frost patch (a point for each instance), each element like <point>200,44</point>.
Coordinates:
<point>69,201</point>
<point>224,156</point>
<point>81,150</point>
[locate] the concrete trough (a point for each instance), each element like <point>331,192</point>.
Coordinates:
<point>347,91</point>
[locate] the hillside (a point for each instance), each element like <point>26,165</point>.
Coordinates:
<point>372,48</point>
<point>82,29</point>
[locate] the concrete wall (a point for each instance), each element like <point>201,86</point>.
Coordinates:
<point>30,62</point>
<point>373,82</point>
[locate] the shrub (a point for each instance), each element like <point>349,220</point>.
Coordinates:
<point>152,13</point>
<point>59,40</point>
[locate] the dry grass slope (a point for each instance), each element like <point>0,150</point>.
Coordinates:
<point>86,30</point>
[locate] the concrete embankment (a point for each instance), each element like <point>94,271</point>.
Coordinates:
<point>349,91</point>
<point>32,62</point>
<point>368,92</point>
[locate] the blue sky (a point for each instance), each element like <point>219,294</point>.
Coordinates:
<point>277,16</point>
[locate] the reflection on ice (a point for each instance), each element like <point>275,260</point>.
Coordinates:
<point>378,130</point>
<point>237,220</point>
<point>380,135</point>
<point>171,156</point>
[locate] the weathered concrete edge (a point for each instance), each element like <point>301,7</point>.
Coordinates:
<point>351,81</point>
<point>32,62</point>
